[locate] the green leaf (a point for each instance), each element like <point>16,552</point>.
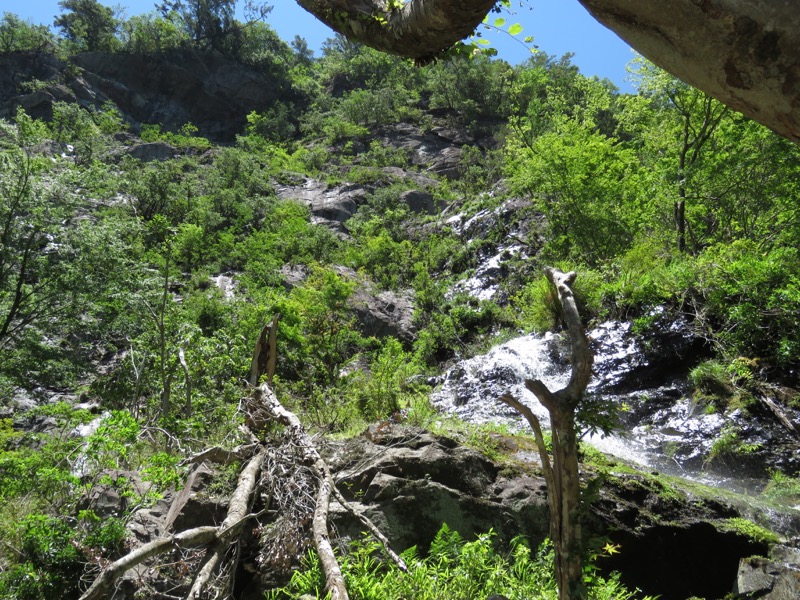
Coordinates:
<point>515,29</point>
<point>483,41</point>
<point>499,22</point>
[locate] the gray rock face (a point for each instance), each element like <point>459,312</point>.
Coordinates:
<point>18,67</point>
<point>330,206</point>
<point>386,313</point>
<point>151,151</point>
<point>378,313</point>
<point>769,578</point>
<point>438,151</point>
<point>409,482</point>
<point>173,89</point>
<point>180,87</point>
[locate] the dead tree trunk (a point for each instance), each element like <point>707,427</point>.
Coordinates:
<point>562,474</point>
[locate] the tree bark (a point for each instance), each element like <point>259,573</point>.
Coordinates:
<point>744,53</point>
<point>334,579</point>
<point>419,30</point>
<point>563,475</point>
<point>217,536</point>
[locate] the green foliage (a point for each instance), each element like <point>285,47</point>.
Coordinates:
<point>88,25</point>
<point>711,377</point>
<point>752,530</point>
<point>274,125</point>
<point>474,90</point>
<point>454,568</point>
<point>209,23</point>
<point>753,300</point>
<point>580,180</point>
<point>53,555</point>
<point>17,35</point>
<point>783,489</point>
<point>185,139</point>
<point>729,445</point>
<point>389,385</point>
<point>109,446</point>
<point>152,34</point>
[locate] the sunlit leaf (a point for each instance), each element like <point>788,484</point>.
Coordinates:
<point>515,29</point>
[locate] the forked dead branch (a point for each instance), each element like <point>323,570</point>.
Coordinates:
<point>562,474</point>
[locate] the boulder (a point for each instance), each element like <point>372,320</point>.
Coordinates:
<point>330,206</point>
<point>151,151</point>
<point>418,201</point>
<point>386,313</point>
<point>378,313</point>
<point>409,482</point>
<point>769,578</point>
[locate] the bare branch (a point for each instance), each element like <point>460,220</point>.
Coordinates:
<point>334,580</point>
<point>373,529</point>
<point>199,536</point>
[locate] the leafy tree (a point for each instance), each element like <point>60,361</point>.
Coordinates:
<point>473,89</point>
<point>580,178</point>
<point>88,24</point>
<point>32,250</point>
<point>209,23</point>
<point>151,33</point>
<point>688,120</point>
<point>17,35</point>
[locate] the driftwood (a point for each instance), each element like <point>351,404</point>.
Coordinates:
<point>562,475</point>
<point>784,419</point>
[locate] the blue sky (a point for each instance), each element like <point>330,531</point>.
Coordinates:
<point>557,26</point>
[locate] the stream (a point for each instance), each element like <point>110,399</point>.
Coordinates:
<point>662,427</point>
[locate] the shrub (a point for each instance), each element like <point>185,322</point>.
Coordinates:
<point>783,489</point>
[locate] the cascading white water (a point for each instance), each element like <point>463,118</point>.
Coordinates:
<point>471,388</point>
<point>666,430</point>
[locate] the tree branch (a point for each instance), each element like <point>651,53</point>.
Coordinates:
<point>419,30</point>
<point>334,580</point>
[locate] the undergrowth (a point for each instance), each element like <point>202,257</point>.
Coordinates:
<point>454,569</point>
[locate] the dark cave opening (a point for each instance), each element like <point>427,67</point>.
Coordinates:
<point>676,562</point>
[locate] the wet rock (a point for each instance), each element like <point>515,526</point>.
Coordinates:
<point>767,578</point>
<point>662,426</point>
<point>492,259</point>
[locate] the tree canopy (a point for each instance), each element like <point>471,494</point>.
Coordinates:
<point>745,54</point>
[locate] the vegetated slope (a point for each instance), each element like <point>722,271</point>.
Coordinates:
<point>396,218</point>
